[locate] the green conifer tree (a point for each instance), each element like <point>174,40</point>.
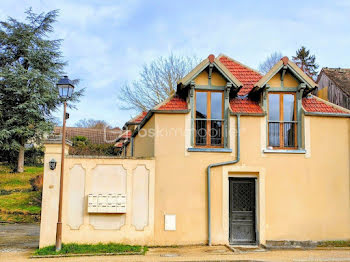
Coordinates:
<point>30,66</point>
<point>306,62</point>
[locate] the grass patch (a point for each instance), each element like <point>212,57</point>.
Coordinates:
<point>17,202</point>
<point>335,243</point>
<point>21,202</point>
<point>19,218</point>
<point>17,181</point>
<point>73,248</point>
<point>21,207</point>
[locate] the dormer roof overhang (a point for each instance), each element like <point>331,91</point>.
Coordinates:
<point>285,64</point>
<point>214,62</point>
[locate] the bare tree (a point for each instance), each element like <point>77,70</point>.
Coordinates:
<point>92,123</point>
<point>269,62</point>
<point>157,81</point>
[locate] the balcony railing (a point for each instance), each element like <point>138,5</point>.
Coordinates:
<point>209,130</point>
<point>288,131</point>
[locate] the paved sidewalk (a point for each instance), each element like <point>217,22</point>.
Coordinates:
<point>18,241</point>
<point>199,253</point>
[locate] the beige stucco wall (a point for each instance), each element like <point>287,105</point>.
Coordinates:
<point>288,81</point>
<point>301,196</point>
<point>216,79</point>
<point>180,185</point>
<point>82,176</point>
<point>144,141</point>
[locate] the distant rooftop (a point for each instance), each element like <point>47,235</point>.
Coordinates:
<point>95,136</point>
<point>340,77</point>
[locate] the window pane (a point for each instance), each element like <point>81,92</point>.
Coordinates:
<point>216,132</point>
<point>289,134</point>
<point>201,132</point>
<point>288,107</point>
<point>201,112</point>
<point>274,134</point>
<point>216,105</point>
<point>201,104</point>
<point>274,115</point>
<point>274,107</point>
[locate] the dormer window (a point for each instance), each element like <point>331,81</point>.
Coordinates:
<point>209,118</point>
<point>282,122</point>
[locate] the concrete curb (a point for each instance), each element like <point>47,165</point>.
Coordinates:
<point>88,255</point>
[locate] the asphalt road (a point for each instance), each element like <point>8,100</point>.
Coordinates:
<point>19,237</point>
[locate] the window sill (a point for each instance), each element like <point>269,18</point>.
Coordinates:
<point>218,150</point>
<point>285,151</point>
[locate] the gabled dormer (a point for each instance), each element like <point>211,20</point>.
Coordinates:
<point>281,91</point>
<point>208,88</point>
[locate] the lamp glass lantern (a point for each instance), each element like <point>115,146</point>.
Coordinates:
<point>65,87</point>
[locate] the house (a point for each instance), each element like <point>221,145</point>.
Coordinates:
<point>334,86</point>
<point>234,157</point>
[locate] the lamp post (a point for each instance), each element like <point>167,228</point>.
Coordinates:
<point>65,88</point>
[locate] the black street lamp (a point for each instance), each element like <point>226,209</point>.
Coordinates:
<point>65,88</point>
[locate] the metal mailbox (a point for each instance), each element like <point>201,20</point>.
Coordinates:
<point>107,203</point>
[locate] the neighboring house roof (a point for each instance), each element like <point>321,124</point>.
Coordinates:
<point>340,77</point>
<point>245,106</point>
<point>292,66</point>
<point>315,104</point>
<point>246,75</point>
<point>95,136</point>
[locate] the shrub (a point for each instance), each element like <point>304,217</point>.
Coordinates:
<point>80,141</point>
<point>94,149</point>
<point>34,156</point>
<point>82,146</point>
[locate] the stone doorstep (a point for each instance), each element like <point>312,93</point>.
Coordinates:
<point>246,248</point>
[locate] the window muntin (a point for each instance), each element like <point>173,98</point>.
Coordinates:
<point>209,118</point>
<point>282,124</point>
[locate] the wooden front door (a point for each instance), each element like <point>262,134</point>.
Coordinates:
<point>242,211</point>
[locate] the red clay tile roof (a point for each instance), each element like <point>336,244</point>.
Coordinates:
<point>175,103</point>
<point>312,104</point>
<point>126,134</point>
<point>245,105</point>
<point>119,144</point>
<point>95,136</point>
<point>244,74</point>
<point>137,119</point>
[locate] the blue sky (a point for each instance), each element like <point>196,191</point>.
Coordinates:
<point>106,42</point>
